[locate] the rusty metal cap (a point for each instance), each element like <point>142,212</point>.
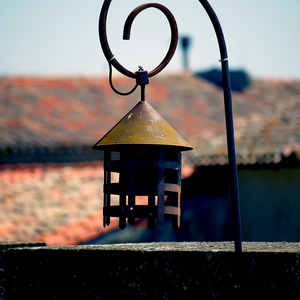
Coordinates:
<point>142,126</point>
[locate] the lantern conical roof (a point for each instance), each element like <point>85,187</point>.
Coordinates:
<point>142,125</point>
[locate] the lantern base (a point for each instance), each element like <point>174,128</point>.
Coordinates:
<point>140,212</point>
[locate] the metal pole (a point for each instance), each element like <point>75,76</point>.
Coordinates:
<point>229,128</point>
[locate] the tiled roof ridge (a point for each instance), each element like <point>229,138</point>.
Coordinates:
<point>24,80</point>
<point>277,80</point>
<point>78,111</point>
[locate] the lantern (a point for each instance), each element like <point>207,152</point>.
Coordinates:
<point>142,159</point>
<point>145,151</point>
<point>142,152</point>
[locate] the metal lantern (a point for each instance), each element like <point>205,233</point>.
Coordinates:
<point>144,152</point>
<point>142,159</point>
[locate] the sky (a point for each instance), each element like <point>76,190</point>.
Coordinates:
<point>60,37</point>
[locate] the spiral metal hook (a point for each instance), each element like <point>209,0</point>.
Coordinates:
<point>126,35</point>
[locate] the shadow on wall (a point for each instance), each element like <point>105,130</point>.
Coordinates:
<point>206,214</point>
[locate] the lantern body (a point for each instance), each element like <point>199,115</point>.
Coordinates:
<point>142,159</point>
<point>154,172</point>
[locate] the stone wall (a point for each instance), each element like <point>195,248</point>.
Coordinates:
<point>150,271</point>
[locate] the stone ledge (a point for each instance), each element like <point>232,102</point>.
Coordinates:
<point>154,271</point>
<point>192,247</point>
<point>5,245</point>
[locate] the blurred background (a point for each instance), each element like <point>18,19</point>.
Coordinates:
<point>61,37</point>
<point>56,103</point>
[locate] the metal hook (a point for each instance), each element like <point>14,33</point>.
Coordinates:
<point>126,35</point>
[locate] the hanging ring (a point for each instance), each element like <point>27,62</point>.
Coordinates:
<point>126,35</point>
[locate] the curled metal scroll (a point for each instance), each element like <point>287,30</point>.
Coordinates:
<point>126,35</point>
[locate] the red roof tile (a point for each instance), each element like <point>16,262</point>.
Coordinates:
<point>59,204</point>
<point>54,203</point>
<point>78,111</point>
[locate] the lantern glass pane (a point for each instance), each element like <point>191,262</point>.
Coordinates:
<point>141,200</point>
<point>115,177</point>
<point>115,155</point>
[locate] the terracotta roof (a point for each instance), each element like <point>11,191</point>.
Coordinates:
<point>60,204</point>
<point>54,203</point>
<point>44,114</point>
<point>62,118</point>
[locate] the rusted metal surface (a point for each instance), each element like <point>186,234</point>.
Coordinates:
<point>126,35</point>
<point>154,172</point>
<point>142,126</point>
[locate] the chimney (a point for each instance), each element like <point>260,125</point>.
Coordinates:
<point>185,42</point>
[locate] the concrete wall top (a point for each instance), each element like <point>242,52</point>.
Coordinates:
<point>152,271</point>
